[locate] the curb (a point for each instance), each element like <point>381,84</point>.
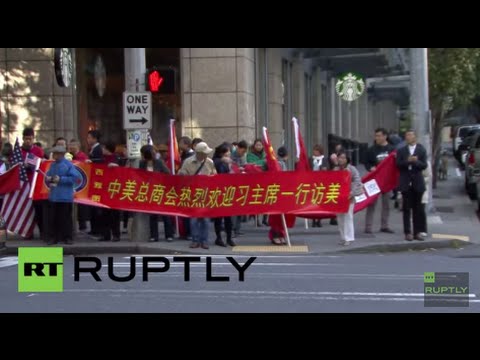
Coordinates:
<point>96,250</point>
<point>413,246</point>
<point>79,250</point>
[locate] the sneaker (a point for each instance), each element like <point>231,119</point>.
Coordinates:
<point>169,239</point>
<point>194,245</point>
<point>347,243</point>
<point>153,240</point>
<point>205,246</point>
<point>116,239</point>
<point>387,230</point>
<point>419,237</point>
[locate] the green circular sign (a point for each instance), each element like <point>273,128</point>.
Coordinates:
<point>350,86</point>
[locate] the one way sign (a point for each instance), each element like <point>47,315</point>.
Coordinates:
<point>137,110</point>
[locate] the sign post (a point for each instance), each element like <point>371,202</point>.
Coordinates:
<point>137,110</point>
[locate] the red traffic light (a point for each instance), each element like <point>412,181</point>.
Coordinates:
<point>161,81</point>
<point>155,81</point>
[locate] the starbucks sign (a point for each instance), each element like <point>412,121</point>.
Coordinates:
<point>350,87</point>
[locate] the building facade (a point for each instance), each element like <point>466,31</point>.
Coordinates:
<point>221,94</point>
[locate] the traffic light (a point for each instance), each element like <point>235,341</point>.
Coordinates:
<point>161,81</point>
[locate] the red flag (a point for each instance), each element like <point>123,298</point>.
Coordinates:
<point>174,153</point>
<point>10,181</point>
<point>17,209</point>
<point>302,163</point>
<point>385,177</point>
<point>272,162</point>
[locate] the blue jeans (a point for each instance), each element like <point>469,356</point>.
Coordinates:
<point>199,230</point>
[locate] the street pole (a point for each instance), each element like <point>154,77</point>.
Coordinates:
<point>135,69</point>
<point>420,107</point>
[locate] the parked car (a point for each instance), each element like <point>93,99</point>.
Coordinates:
<point>461,133</point>
<point>467,143</point>
<point>472,167</point>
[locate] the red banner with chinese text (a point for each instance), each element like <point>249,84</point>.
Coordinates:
<point>208,196</point>
<point>219,195</point>
<point>81,187</point>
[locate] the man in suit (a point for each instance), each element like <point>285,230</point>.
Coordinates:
<point>411,161</point>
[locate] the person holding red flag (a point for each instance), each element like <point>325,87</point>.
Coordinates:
<point>277,232</point>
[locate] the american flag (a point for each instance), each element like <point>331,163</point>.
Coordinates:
<point>17,210</point>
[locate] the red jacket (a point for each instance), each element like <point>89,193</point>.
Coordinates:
<point>80,156</point>
<point>38,152</point>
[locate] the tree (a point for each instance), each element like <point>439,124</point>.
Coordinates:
<point>454,76</point>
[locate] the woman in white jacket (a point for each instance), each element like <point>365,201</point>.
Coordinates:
<point>345,221</point>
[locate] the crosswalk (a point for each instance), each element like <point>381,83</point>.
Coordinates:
<point>8,261</point>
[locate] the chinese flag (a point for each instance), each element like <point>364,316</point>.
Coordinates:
<point>10,181</point>
<point>302,163</point>
<point>174,153</point>
<point>272,162</point>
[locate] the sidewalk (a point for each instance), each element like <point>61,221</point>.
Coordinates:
<point>454,225</point>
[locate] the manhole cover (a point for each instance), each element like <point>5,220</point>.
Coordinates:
<point>445,209</point>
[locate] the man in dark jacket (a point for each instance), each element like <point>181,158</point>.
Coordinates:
<point>375,155</point>
<point>95,156</point>
<point>411,161</point>
<point>61,177</point>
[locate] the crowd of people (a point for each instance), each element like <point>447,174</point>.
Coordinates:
<point>198,158</point>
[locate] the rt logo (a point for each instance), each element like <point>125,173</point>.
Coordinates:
<point>40,270</point>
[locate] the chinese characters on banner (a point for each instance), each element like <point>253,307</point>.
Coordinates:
<point>220,195</point>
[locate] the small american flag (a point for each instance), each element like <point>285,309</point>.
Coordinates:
<point>31,161</point>
<point>17,211</point>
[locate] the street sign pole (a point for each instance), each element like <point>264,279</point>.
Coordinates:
<point>135,69</point>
